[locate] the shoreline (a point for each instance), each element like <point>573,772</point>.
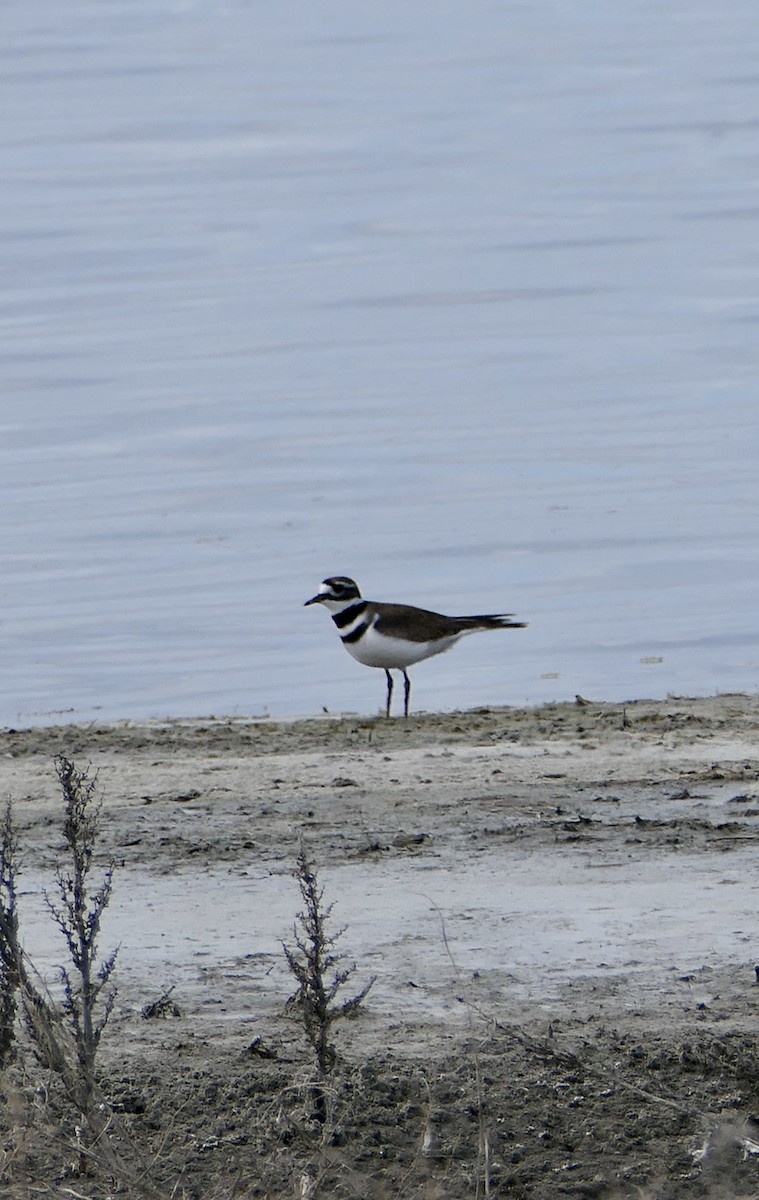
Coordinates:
<point>457,803</point>
<point>575,879</point>
<point>279,734</point>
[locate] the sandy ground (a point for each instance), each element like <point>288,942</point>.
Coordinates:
<point>560,906</point>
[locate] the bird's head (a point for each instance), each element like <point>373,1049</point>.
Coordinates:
<point>338,591</point>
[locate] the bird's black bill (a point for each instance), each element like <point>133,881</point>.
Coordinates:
<point>314,600</point>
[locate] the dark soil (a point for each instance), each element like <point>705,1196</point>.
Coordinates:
<point>608,1083</point>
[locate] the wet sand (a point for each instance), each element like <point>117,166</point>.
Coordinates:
<point>572,874</point>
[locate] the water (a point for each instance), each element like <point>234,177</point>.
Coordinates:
<point>459,300</point>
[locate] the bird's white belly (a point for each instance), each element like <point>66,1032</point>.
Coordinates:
<point>376,650</point>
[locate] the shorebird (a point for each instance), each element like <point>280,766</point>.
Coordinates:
<point>394,636</point>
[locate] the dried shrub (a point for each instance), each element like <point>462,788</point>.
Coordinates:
<point>314,963</point>
<point>88,992</point>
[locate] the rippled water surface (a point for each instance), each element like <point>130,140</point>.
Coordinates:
<point>460,300</point>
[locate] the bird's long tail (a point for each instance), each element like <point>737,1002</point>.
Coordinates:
<point>491,621</point>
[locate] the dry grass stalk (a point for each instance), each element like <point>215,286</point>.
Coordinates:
<point>17,975</point>
<point>483,1140</point>
<point>10,952</point>
<point>314,963</point>
<point>88,994</point>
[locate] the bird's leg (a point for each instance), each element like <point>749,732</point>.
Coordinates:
<point>406,693</point>
<point>389,692</point>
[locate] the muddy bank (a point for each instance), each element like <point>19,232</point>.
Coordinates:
<point>552,901</point>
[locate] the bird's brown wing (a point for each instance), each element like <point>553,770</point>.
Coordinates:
<point>421,625</point>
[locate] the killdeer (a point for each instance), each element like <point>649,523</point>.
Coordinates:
<point>393,636</point>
